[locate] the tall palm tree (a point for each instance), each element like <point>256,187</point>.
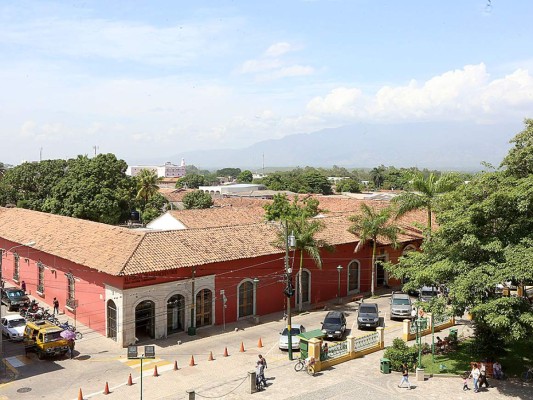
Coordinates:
<point>370,225</point>
<point>147,181</point>
<point>425,195</point>
<point>304,231</point>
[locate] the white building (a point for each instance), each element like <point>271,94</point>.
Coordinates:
<point>168,170</point>
<point>231,189</point>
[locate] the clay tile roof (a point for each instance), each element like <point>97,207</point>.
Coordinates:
<point>103,247</point>
<point>185,248</point>
<point>173,195</point>
<point>224,216</point>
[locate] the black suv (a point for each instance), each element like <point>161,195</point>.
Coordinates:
<point>14,298</point>
<point>334,325</point>
<point>368,316</point>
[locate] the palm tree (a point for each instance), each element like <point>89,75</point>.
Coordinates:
<point>304,231</point>
<point>426,194</point>
<point>372,224</point>
<point>147,185</point>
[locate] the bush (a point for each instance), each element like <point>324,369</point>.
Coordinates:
<point>400,353</point>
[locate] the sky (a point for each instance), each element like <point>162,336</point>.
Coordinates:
<point>148,79</point>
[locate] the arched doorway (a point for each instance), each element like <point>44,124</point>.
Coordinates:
<point>306,287</point>
<point>246,299</point>
<point>112,320</point>
<point>380,271</point>
<point>175,314</point>
<point>204,300</point>
<point>353,276</point>
<point>145,320</point>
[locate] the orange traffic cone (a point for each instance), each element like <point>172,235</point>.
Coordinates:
<point>130,381</point>
<point>191,363</point>
<point>155,371</point>
<point>80,395</point>
<point>242,347</point>
<point>259,343</point>
<point>226,352</point>
<point>210,356</point>
<point>106,390</point>
<point>176,365</point>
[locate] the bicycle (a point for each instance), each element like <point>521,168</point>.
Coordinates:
<point>308,364</point>
<point>527,376</point>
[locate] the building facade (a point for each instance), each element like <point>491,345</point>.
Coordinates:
<point>168,170</point>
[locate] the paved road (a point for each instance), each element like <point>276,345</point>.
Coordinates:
<point>99,360</point>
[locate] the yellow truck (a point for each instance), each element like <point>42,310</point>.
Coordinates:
<point>45,339</point>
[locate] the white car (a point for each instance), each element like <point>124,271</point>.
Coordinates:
<point>296,329</point>
<point>13,326</point>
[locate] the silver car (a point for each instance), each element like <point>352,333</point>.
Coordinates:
<point>13,326</point>
<point>296,329</point>
<point>400,306</point>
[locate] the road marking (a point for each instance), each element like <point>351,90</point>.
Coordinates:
<point>17,361</point>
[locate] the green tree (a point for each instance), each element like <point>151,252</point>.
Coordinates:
<point>197,199</point>
<point>377,175</point>
<point>191,181</point>
<point>426,194</point>
<point>91,189</point>
<point>348,185</point>
<point>484,239</point>
<point>305,231</point>
<point>147,182</point>
<point>245,177</point>
<point>282,209</point>
<point>371,224</point>
<point>231,172</point>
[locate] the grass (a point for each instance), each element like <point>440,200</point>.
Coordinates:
<point>514,359</point>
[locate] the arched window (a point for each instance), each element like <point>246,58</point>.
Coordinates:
<point>204,299</point>
<point>175,313</point>
<point>40,277</point>
<point>71,291</point>
<point>353,276</point>
<point>246,299</point>
<point>112,320</point>
<point>408,248</point>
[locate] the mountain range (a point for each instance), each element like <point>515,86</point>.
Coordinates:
<point>444,146</point>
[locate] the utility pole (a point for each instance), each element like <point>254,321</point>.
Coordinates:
<point>289,291</point>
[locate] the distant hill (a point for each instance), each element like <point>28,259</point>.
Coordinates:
<point>443,146</point>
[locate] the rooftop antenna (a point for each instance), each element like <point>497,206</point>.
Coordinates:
<point>95,150</point>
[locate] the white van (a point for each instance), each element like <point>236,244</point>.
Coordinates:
<point>428,292</point>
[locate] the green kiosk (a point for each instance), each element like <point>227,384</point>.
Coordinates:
<point>304,342</point>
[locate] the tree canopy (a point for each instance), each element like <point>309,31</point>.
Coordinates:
<point>484,239</point>
<point>245,177</point>
<point>197,199</point>
<point>191,181</point>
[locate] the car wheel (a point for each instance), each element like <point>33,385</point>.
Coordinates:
<point>40,355</point>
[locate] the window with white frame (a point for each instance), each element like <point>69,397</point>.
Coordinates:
<point>40,277</point>
<point>16,267</point>
<point>71,291</point>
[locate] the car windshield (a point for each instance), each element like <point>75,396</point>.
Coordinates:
<point>367,310</point>
<point>428,293</point>
<point>15,293</point>
<point>294,331</point>
<point>400,302</point>
<point>332,320</point>
<point>52,336</point>
<point>16,322</point>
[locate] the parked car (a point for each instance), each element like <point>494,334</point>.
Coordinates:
<point>334,325</point>
<point>13,326</point>
<point>45,339</point>
<point>368,316</point>
<point>296,329</point>
<point>427,293</point>
<point>400,305</point>
<point>14,298</point>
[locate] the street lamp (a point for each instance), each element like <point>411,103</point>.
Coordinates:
<point>29,244</point>
<point>339,269</point>
<point>290,241</point>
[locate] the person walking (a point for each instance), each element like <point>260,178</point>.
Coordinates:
<point>405,376</point>
<point>483,376</point>
<point>56,306</point>
<point>260,373</point>
<point>71,348</point>
<point>475,373</point>
<point>23,286</point>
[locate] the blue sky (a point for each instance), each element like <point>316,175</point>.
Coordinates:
<point>155,78</point>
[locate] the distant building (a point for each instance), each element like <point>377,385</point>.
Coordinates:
<point>231,189</point>
<point>168,170</point>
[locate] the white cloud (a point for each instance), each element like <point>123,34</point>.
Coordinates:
<point>468,93</point>
<point>278,49</point>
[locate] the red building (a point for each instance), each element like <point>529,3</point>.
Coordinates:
<point>133,284</point>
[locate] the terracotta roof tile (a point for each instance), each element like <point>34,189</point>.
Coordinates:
<point>223,216</point>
